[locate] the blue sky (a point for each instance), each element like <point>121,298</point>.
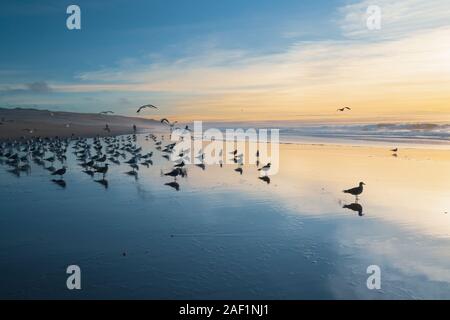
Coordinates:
<point>37,39</point>
<point>39,47</point>
<point>133,52</point>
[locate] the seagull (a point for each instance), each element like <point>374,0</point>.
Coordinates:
<point>394,150</point>
<point>146,106</point>
<point>102,170</point>
<point>265,168</point>
<point>343,109</point>
<point>59,172</point>
<point>165,121</point>
<point>357,190</point>
<point>174,173</point>
<point>180,165</point>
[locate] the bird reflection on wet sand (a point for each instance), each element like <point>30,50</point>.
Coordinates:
<point>174,185</point>
<point>103,182</point>
<point>132,173</point>
<point>355,207</point>
<point>265,179</point>
<point>60,182</point>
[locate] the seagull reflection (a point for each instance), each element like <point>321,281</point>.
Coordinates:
<point>174,185</point>
<point>265,179</point>
<point>15,172</point>
<point>60,182</point>
<point>103,182</point>
<point>201,166</point>
<point>355,207</point>
<point>89,172</point>
<point>132,173</point>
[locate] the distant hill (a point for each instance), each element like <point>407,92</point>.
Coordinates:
<point>16,122</point>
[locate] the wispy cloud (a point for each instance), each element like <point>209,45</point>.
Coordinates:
<point>38,87</point>
<point>399,18</point>
<point>402,68</point>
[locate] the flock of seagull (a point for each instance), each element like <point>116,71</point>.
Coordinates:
<point>96,156</point>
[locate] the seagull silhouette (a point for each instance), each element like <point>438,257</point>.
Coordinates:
<point>344,108</point>
<point>59,172</point>
<point>146,106</point>
<point>355,207</point>
<point>355,191</point>
<point>174,185</point>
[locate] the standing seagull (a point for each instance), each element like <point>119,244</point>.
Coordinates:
<point>59,172</point>
<point>356,191</point>
<point>146,106</point>
<point>265,168</point>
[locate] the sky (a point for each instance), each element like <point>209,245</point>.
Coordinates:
<point>230,60</point>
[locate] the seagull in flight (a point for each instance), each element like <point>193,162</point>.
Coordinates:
<point>344,108</point>
<point>167,122</point>
<point>146,106</point>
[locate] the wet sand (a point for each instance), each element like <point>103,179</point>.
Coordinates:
<point>230,236</point>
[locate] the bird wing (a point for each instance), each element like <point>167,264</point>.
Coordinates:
<point>164,120</point>
<point>352,190</point>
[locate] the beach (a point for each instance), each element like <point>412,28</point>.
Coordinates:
<point>229,236</point>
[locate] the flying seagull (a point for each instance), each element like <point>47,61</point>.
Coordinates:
<point>146,106</point>
<point>343,109</point>
<point>170,124</point>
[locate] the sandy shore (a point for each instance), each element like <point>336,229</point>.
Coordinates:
<point>224,234</point>
<point>15,123</point>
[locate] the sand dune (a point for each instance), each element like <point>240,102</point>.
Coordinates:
<point>14,123</point>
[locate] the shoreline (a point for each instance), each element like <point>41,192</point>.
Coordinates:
<point>32,123</point>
